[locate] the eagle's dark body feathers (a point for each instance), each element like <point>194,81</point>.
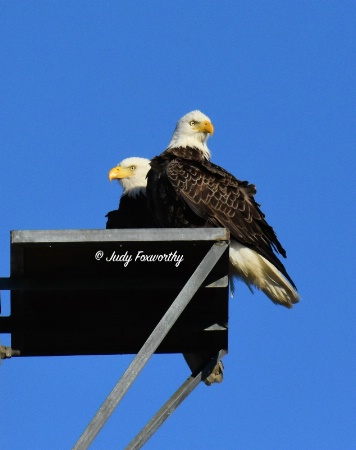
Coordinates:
<point>133,212</point>
<point>184,189</point>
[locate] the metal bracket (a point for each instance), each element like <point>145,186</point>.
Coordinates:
<point>8,352</point>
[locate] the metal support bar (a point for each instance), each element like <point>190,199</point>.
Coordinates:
<point>152,343</point>
<point>172,404</point>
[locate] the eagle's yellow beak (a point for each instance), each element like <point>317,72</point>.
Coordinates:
<point>205,127</point>
<point>119,172</point>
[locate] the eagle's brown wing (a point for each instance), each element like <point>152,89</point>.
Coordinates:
<point>218,197</point>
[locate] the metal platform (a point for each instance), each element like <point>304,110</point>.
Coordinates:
<point>120,291</point>
<point>68,299</point>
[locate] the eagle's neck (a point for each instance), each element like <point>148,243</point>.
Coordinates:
<point>131,185</point>
<point>180,152</point>
<point>196,142</point>
<point>135,192</point>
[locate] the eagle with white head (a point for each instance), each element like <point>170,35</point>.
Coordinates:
<point>185,189</point>
<point>133,211</point>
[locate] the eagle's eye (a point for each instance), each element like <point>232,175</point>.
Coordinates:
<point>132,168</point>
<point>192,123</point>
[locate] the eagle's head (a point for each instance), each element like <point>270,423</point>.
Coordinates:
<point>131,174</point>
<point>193,130</point>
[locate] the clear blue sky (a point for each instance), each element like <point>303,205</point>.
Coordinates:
<point>84,84</point>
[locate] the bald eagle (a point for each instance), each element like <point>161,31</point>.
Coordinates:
<point>185,189</point>
<point>133,211</point>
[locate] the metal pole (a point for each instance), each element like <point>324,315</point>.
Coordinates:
<point>150,346</point>
<point>172,404</point>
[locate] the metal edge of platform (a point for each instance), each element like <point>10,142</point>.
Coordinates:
<point>129,235</point>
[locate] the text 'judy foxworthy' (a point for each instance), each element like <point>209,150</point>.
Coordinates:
<point>140,256</point>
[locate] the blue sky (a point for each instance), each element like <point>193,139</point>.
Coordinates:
<point>84,84</point>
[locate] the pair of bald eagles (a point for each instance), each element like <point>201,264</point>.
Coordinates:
<point>182,188</point>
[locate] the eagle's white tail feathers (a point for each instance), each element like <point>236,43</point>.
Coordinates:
<point>255,270</point>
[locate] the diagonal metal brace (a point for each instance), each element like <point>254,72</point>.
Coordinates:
<point>172,404</point>
<point>150,346</point>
